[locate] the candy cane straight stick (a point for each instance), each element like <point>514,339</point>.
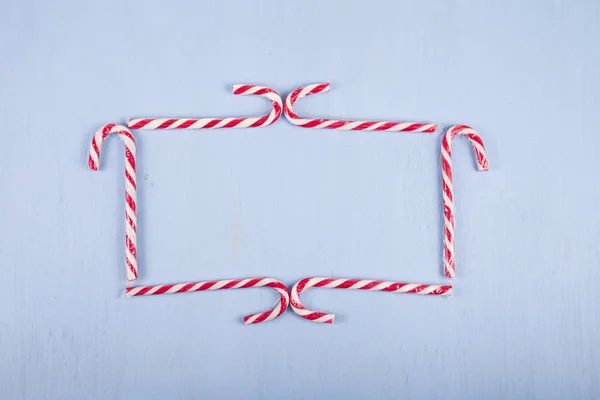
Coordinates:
<point>212,123</point>
<point>447,193</point>
<point>356,284</point>
<point>278,286</point>
<point>320,123</point>
<point>130,189</point>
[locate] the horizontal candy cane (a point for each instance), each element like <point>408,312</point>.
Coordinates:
<point>278,286</point>
<point>130,189</point>
<point>356,284</point>
<point>213,123</point>
<point>320,123</point>
<point>447,193</point>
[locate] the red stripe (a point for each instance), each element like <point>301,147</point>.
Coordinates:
<point>370,285</point>
<point>131,223</point>
<point>393,287</point>
<point>231,284</point>
<point>442,289</point>
<point>163,289</point>
<point>260,92</point>
<point>347,283</point>
<point>314,315</point>
<point>413,127</point>
<point>131,247</point>
<point>362,126</point>
<point>130,202</point>
<point>131,267</point>
<point>141,291</point>
<point>314,122</point>
<point>262,316</point>
<point>386,126</point>
<point>167,123</point>
<point>319,88</point>
<point>234,122</point>
<point>130,158</point>
<point>141,123</point>
<point>260,122</point>
<point>106,130</point>
<point>448,214</point>
<point>213,123</point>
<point>242,89</point>
<point>188,123</point>
<point>186,288</point>
<point>294,95</point>
<point>324,282</point>
<point>447,191</point>
<point>91,164</point>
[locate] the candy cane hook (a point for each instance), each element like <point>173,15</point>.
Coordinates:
<point>213,123</point>
<point>320,123</point>
<point>356,284</point>
<point>447,193</point>
<point>278,286</point>
<point>130,189</point>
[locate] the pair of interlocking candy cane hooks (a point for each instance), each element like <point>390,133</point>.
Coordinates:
<point>293,296</point>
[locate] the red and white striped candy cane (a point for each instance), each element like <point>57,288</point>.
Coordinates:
<point>278,286</point>
<point>320,123</point>
<point>447,193</point>
<point>356,284</point>
<point>213,123</point>
<point>130,189</point>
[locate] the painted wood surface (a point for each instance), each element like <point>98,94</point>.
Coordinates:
<point>289,203</point>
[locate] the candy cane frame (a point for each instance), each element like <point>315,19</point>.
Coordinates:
<point>278,286</point>
<point>320,123</point>
<point>213,123</point>
<point>130,189</point>
<point>356,284</point>
<point>447,193</point>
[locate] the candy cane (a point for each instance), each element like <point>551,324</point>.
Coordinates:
<point>356,284</point>
<point>447,194</point>
<point>130,188</point>
<point>278,286</point>
<point>212,123</point>
<point>320,123</point>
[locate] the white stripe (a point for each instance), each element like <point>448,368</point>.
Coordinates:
<point>240,283</point>
<point>175,288</point>
<point>399,127</point>
<point>359,284</point>
<point>219,284</point>
<point>312,282</point>
<point>407,288</point>
<point>381,286</point>
<point>154,289</point>
<point>325,318</point>
<point>335,283</point>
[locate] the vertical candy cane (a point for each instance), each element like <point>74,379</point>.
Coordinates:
<point>213,123</point>
<point>320,123</point>
<point>356,284</point>
<point>130,189</point>
<point>278,286</point>
<point>447,193</point>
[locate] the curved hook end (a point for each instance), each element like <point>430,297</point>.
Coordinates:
<point>92,164</point>
<point>324,87</point>
<point>239,88</point>
<point>476,143</point>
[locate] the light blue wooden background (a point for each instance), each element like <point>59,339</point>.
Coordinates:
<point>290,203</point>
